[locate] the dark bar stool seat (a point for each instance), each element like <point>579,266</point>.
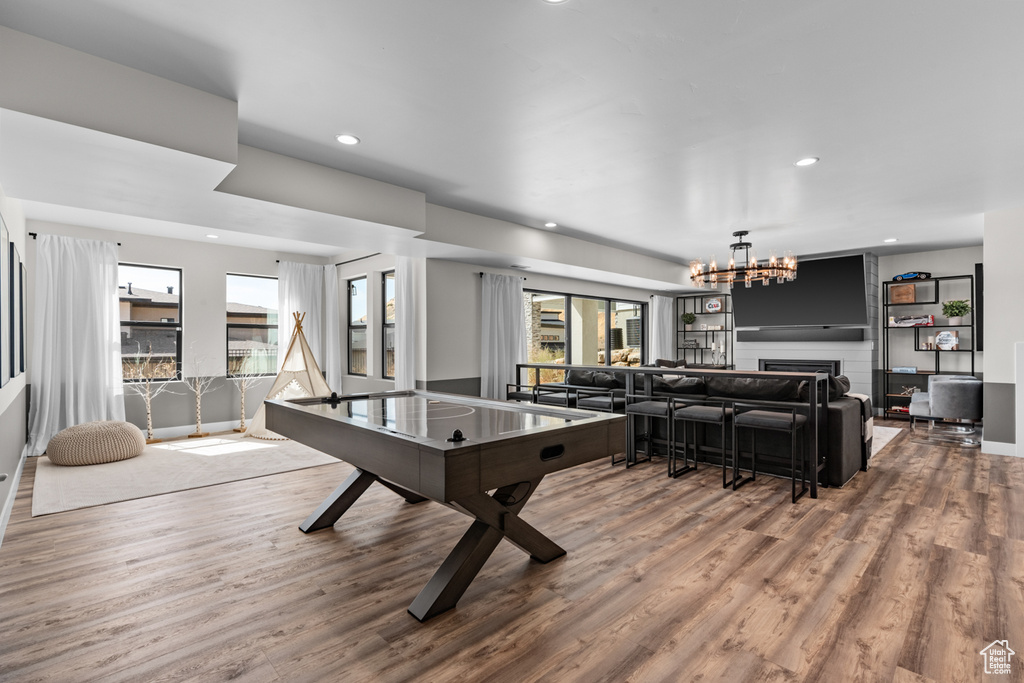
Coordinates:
<point>710,414</point>
<point>602,400</point>
<point>649,409</point>
<point>755,419</point>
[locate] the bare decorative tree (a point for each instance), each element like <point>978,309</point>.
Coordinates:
<point>245,378</point>
<point>141,371</point>
<point>198,384</point>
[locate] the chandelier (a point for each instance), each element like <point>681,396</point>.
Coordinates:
<point>745,269</point>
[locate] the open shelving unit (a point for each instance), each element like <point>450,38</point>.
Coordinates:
<point>913,342</point>
<point>695,345</point>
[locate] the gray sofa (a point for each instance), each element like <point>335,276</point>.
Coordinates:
<point>849,418</point>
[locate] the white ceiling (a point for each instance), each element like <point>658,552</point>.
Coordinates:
<point>659,126</point>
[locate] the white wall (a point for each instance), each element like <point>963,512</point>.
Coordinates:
<point>1004,322</point>
<point>372,268</point>
<point>14,218</point>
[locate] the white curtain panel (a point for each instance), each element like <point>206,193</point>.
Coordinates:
<point>663,328</point>
<point>76,363</point>
<point>300,288</point>
<point>332,366</point>
<point>503,338</point>
<point>405,323</point>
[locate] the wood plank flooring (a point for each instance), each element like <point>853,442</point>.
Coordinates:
<point>903,575</point>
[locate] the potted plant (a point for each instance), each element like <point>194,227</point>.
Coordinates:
<point>955,310</point>
<point>688,320</point>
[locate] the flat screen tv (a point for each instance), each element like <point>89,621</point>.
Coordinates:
<point>826,293</point>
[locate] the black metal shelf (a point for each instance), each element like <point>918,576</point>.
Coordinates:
<point>934,291</point>
<point>700,356</point>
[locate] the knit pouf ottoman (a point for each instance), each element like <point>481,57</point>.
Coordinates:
<point>92,443</point>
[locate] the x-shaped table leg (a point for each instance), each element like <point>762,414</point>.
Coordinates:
<point>496,518</point>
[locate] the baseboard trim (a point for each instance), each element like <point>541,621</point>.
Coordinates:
<point>1000,448</point>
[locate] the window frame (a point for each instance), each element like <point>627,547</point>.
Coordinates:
<point>350,326</point>
<point>176,326</point>
<point>228,326</point>
<point>608,301</point>
<point>385,325</point>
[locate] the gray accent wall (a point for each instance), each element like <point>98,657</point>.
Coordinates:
<point>467,386</point>
<point>221,404</point>
<point>13,434</point>
<point>1000,410</point>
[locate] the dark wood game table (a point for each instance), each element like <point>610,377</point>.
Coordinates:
<point>454,450</point>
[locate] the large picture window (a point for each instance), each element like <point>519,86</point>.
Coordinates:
<point>150,303</point>
<point>357,326</point>
<point>562,328</point>
<point>251,325</point>
<point>388,324</point>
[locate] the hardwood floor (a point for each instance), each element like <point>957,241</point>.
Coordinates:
<point>903,575</point>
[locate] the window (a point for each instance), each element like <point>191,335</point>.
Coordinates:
<point>388,326</point>
<point>587,322</point>
<point>251,325</point>
<point>627,332</point>
<point>150,303</point>
<point>357,326</point>
<point>561,328</point>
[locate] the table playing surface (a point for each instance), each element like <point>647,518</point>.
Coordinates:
<point>436,419</point>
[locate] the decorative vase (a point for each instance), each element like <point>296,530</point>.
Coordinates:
<point>958,320</point>
<point>688,327</point>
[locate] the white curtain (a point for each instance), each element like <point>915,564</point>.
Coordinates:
<point>503,337</point>
<point>663,328</point>
<point>300,288</point>
<point>76,364</point>
<point>405,323</point>
<point>332,366</point>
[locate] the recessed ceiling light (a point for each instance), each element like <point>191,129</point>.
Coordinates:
<point>346,139</point>
<point>891,240</point>
<point>549,224</point>
<point>555,2</point>
<point>213,237</point>
<point>807,161</point>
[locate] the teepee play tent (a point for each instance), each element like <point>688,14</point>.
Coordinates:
<point>300,377</point>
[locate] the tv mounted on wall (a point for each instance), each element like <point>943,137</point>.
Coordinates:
<point>827,292</point>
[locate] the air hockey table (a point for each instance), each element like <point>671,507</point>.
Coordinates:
<point>482,457</point>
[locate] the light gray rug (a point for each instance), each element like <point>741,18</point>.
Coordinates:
<point>165,468</point>
<point>882,437</point>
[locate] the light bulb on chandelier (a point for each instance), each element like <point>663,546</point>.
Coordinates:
<point>750,270</point>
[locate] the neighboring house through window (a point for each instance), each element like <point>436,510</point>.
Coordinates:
<point>150,304</point>
<point>252,343</point>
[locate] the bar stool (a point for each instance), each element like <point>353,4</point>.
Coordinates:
<point>754,418</point>
<point>709,413</point>
<point>649,408</point>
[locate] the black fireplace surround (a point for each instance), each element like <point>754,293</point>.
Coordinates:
<point>832,367</point>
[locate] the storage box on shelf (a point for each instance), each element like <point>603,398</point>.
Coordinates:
<point>918,342</point>
<point>712,346</point>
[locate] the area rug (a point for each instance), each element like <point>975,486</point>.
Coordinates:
<point>165,468</point>
<point>882,437</point>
